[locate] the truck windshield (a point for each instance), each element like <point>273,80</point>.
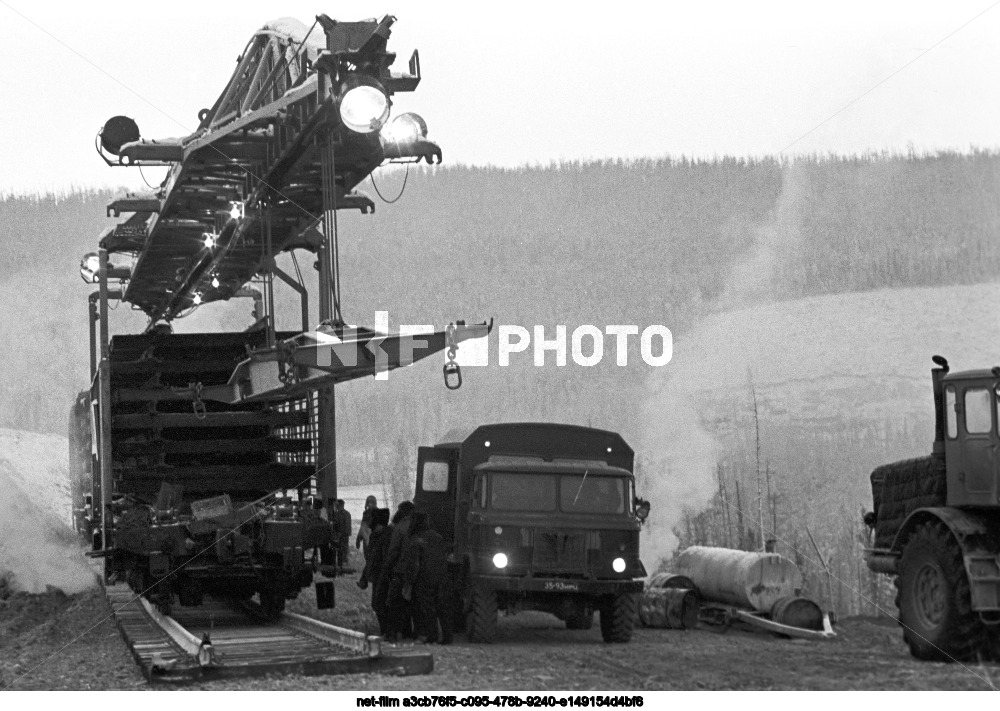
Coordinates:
<point>523,492</point>
<point>592,494</point>
<point>571,493</point>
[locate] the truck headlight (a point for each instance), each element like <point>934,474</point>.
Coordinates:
<point>500,560</point>
<point>618,564</point>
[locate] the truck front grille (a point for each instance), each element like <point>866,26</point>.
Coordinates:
<point>559,551</point>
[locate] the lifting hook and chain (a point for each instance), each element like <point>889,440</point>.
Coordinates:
<point>197,404</point>
<point>451,368</point>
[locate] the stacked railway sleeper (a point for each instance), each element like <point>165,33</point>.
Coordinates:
<point>222,639</point>
<point>208,498</point>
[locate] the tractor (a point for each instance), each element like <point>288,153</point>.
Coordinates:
<point>936,524</point>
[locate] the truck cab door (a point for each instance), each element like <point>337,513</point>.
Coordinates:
<point>978,434</point>
<point>437,474</point>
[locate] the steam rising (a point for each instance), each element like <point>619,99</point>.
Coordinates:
<point>681,452</point>
<point>680,459</point>
<point>849,360</point>
<point>38,547</point>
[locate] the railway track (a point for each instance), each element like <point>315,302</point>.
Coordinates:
<point>219,640</point>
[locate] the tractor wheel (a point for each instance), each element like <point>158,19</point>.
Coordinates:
<point>457,612</point>
<point>935,606</point>
<point>618,618</point>
<point>580,621</point>
<point>481,623</point>
<point>991,650</point>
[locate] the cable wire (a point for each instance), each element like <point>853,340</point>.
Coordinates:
<point>371,176</point>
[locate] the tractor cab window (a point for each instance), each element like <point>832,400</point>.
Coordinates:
<point>949,412</point>
<point>996,399</point>
<point>978,411</point>
<point>479,491</point>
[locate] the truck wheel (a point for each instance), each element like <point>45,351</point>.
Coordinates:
<point>164,603</point>
<point>272,602</point>
<point>618,618</point>
<point>481,624</point>
<point>580,621</point>
<point>935,606</point>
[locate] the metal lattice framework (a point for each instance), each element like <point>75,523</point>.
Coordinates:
<point>248,184</point>
<point>279,152</point>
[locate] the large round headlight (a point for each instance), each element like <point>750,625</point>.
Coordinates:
<point>619,565</point>
<point>500,560</point>
<point>364,109</point>
<point>405,128</point>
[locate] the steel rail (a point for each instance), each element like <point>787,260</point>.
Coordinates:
<point>224,640</point>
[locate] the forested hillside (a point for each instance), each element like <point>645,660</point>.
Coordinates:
<point>665,241</point>
<point>657,241</point>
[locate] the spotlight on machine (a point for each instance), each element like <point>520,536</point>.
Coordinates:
<point>406,137</point>
<point>90,269</point>
<point>363,105</point>
<point>115,133</point>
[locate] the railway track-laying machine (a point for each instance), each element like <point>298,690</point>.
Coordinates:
<point>198,458</point>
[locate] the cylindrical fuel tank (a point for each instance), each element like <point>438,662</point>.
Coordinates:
<point>754,580</point>
<point>798,612</point>
<point>670,580</point>
<point>672,608</point>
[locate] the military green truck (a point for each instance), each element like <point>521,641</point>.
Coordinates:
<point>537,517</point>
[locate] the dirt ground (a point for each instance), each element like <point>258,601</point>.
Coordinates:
<point>54,641</point>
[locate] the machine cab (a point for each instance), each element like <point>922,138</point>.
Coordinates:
<point>971,400</point>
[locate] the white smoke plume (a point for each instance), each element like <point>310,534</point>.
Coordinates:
<point>680,451</point>
<point>38,548</point>
<point>679,467</point>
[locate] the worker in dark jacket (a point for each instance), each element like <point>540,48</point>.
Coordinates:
<point>406,572</point>
<point>365,529</point>
<point>378,549</point>
<point>343,536</point>
<point>427,571</point>
<point>398,618</point>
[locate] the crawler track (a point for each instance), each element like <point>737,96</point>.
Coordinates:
<point>244,644</point>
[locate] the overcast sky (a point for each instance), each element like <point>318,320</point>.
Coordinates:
<point>527,83</point>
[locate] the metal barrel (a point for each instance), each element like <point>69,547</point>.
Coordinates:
<point>798,612</point>
<point>670,608</point>
<point>751,580</point>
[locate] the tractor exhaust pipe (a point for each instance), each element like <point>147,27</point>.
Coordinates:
<point>937,374</point>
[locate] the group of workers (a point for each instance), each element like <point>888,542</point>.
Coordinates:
<point>337,553</point>
<point>406,566</point>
